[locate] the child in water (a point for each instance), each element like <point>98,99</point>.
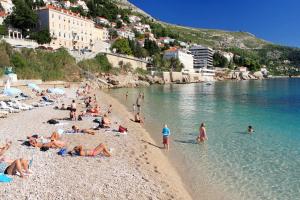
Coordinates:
<point>250,130</point>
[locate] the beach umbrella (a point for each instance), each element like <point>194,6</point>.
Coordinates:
<point>34,86</point>
<point>12,92</point>
<point>56,91</point>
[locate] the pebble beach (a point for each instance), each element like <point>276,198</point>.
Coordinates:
<point>137,169</point>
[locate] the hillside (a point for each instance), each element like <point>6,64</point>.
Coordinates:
<point>280,60</point>
<point>217,39</point>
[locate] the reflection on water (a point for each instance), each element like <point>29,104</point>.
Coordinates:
<point>265,165</point>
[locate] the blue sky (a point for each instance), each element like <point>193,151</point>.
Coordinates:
<point>277,21</point>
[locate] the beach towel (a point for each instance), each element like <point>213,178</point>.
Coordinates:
<point>122,129</point>
<point>4,178</point>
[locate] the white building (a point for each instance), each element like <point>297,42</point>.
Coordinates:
<point>68,29</point>
<point>102,20</point>
<point>83,5</point>
<point>7,6</point>
<point>184,57</point>
<point>203,56</point>
<point>126,33</point>
<point>134,19</point>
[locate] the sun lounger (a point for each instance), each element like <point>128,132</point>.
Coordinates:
<point>22,105</point>
<point>4,106</point>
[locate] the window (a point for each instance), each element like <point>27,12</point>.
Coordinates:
<point>59,34</point>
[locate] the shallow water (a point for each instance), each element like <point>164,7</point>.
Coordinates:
<point>265,165</point>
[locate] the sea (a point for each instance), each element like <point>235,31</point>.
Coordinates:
<point>263,165</point>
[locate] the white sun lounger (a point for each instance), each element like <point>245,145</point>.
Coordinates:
<point>4,106</point>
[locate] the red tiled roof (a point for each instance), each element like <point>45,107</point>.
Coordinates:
<point>3,14</point>
<point>52,7</point>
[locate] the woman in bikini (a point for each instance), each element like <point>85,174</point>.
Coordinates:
<point>202,133</point>
<point>93,152</point>
<point>76,129</point>
<point>11,167</point>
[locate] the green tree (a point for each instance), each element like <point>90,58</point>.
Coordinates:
<point>122,46</point>
<point>151,47</point>
<point>3,30</point>
<point>119,24</point>
<point>113,33</point>
<point>42,37</point>
<point>79,10</point>
<point>22,17</point>
<point>219,60</point>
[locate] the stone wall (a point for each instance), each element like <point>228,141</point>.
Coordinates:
<point>115,59</point>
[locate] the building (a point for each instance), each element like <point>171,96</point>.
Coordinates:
<point>203,56</point>
<point>101,34</point>
<point>7,6</point>
<point>102,20</point>
<point>184,57</point>
<point>2,17</point>
<point>134,19</point>
<point>68,29</point>
<point>126,33</point>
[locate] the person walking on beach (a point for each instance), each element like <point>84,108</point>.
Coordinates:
<point>202,133</point>
<point>166,134</point>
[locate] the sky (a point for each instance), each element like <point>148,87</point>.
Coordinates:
<point>277,21</point>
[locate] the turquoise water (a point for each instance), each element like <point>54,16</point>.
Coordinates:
<point>265,165</point>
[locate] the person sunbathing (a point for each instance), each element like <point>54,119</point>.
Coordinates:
<point>54,136</point>
<point>100,149</point>
<point>12,167</point>
<point>52,144</point>
<point>106,121</point>
<point>94,111</point>
<point>75,129</point>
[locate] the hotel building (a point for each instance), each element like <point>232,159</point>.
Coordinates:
<point>203,57</point>
<point>68,29</point>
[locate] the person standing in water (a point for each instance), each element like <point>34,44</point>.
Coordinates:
<point>126,95</point>
<point>166,135</point>
<point>139,103</point>
<point>202,133</point>
<point>250,130</point>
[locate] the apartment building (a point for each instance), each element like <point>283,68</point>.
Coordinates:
<point>68,29</point>
<point>203,56</point>
<point>183,56</point>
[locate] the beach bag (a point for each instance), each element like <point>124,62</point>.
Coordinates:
<point>52,121</point>
<point>62,152</point>
<point>122,129</point>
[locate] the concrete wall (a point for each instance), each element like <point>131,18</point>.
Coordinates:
<point>195,77</point>
<point>20,42</point>
<point>135,63</point>
<point>176,76</point>
<point>167,77</point>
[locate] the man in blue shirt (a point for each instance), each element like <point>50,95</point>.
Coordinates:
<point>166,133</point>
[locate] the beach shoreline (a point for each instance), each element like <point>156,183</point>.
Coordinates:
<point>136,170</point>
